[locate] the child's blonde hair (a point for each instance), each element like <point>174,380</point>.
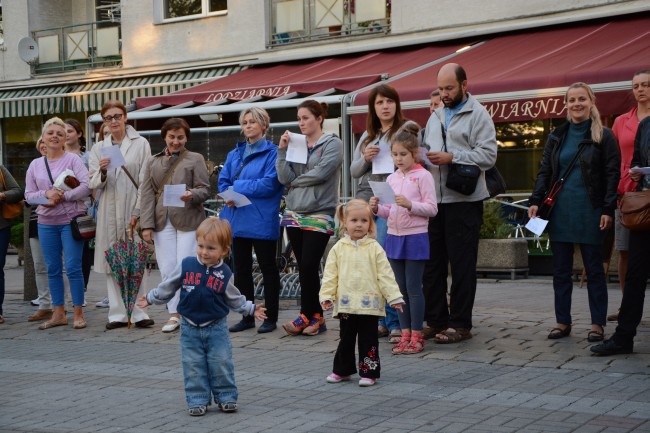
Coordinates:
<point>342,214</point>
<point>408,136</point>
<point>216,230</point>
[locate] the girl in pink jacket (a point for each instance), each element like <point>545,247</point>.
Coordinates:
<point>407,242</point>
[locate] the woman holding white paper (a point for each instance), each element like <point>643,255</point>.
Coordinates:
<point>311,204</point>
<point>585,154</point>
<point>119,204</point>
<point>384,120</point>
<point>54,231</point>
<point>172,229</point>
<point>250,170</point>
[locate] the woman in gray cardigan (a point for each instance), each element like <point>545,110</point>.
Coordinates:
<point>172,229</point>
<point>10,193</point>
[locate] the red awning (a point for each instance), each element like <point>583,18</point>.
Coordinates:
<point>343,73</point>
<point>523,66</point>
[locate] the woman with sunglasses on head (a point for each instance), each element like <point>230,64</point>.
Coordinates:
<point>119,204</point>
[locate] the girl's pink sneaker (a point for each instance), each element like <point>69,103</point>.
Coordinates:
<point>335,378</point>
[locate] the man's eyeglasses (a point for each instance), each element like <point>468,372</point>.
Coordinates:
<point>109,119</point>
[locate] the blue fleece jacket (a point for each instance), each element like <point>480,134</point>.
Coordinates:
<point>258,181</point>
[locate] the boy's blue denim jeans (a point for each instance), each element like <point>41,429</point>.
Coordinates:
<point>206,354</point>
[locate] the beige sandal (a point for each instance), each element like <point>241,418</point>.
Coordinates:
<point>53,323</point>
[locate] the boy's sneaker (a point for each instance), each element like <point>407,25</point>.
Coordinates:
<point>366,381</point>
<point>229,406</point>
<point>316,325</point>
<point>198,411</point>
<point>103,303</point>
<point>297,326</point>
<point>335,378</point>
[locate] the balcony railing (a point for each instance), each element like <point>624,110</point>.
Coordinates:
<point>82,46</point>
<point>297,21</point>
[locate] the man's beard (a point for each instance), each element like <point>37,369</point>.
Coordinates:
<point>457,100</point>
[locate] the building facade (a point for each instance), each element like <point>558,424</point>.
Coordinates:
<point>66,57</point>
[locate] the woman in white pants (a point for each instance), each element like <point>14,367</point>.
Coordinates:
<point>172,228</point>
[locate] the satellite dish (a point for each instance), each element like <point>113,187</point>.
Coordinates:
<point>28,49</point>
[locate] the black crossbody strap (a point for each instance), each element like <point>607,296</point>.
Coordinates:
<point>49,173</point>
<point>573,162</point>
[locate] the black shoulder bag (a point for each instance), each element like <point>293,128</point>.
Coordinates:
<point>461,178</point>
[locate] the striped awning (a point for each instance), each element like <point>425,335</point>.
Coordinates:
<point>90,96</point>
<point>32,101</point>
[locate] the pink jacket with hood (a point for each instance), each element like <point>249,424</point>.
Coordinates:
<point>418,186</point>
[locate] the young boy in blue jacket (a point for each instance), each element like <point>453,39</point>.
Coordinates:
<point>207,293</point>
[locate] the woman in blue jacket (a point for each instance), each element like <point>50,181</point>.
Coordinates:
<point>250,170</point>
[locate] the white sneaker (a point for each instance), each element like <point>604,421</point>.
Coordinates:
<point>103,303</point>
<point>35,302</point>
<point>366,381</point>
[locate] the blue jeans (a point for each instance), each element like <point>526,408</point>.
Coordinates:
<point>56,241</point>
<point>391,321</point>
<point>206,354</point>
<point>408,274</point>
<point>592,258</point>
<point>4,244</point>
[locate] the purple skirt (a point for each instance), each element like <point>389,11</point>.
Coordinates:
<point>409,247</point>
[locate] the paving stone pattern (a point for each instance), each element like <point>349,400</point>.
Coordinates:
<point>508,378</point>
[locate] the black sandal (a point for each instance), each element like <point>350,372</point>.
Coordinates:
<point>595,336</point>
<point>557,333</point>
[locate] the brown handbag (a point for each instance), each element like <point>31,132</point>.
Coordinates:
<point>635,210</point>
<point>10,210</point>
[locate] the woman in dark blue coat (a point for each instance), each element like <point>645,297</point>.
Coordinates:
<point>250,170</point>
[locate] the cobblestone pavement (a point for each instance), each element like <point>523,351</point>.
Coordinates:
<point>508,378</point>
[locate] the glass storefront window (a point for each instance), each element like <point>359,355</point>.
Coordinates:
<point>19,141</point>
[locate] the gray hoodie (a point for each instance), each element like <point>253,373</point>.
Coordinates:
<point>472,139</point>
<point>362,169</point>
<point>314,186</point>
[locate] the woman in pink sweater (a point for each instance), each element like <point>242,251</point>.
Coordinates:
<point>54,218</point>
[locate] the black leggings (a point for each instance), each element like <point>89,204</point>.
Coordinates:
<point>243,258</point>
<point>308,247</point>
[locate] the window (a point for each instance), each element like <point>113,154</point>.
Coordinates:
<point>190,8</point>
<point>293,21</point>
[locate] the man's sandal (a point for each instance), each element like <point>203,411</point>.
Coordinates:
<point>452,335</point>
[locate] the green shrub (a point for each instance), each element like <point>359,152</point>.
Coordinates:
<point>16,237</point>
<point>494,225</point>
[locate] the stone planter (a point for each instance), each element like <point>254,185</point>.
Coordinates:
<point>503,255</point>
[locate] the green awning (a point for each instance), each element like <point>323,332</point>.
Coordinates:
<point>32,101</point>
<point>90,96</point>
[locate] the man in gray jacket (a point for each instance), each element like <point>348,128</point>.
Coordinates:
<point>461,132</point>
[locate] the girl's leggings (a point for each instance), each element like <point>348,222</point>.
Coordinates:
<point>408,274</point>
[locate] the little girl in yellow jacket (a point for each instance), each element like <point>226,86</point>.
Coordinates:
<point>357,282</point>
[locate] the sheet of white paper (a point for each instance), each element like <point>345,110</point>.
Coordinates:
<point>297,150</point>
<point>642,170</point>
<point>423,157</point>
<point>382,163</point>
<point>38,200</point>
<point>114,153</point>
<point>537,225</point>
<point>172,195</point>
<point>383,192</point>
<point>237,198</point>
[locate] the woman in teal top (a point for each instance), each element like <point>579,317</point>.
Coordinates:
<point>584,208</point>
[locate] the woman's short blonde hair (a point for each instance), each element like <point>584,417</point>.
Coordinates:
<point>52,121</point>
<point>259,115</point>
